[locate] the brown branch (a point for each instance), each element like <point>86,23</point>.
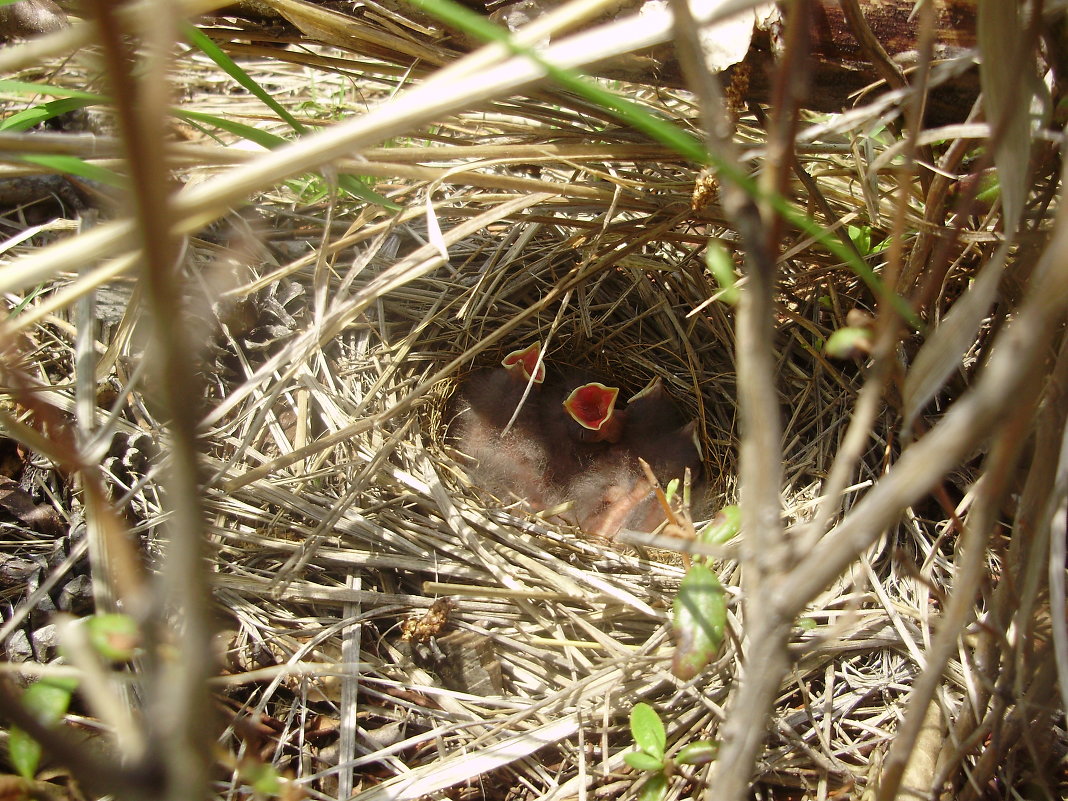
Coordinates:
<point>1021,344</point>
<point>178,723</point>
<point>765,553</point>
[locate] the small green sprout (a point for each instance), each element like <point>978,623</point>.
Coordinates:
<point>113,638</point>
<point>47,699</point>
<point>265,780</point>
<point>721,265</point>
<point>849,343</point>
<point>861,237</point>
<point>722,528</point>
<point>651,740</point>
<point>650,737</point>
<point>989,188</point>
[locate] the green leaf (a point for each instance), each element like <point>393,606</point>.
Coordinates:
<point>639,760</point>
<point>989,188</point>
<point>23,304</point>
<point>721,265</point>
<point>861,236</point>
<point>49,697</point>
<point>262,138</point>
<point>72,165</point>
<point>8,86</point>
<point>699,619</point>
<point>28,118</point>
<point>48,700</point>
<point>723,527</point>
<point>197,38</point>
<point>352,185</point>
<point>308,188</point>
<point>849,343</point>
<point>115,637</point>
<point>700,752</point>
<point>648,730</point>
<point>265,779</point>
<point>25,753</point>
<point>654,789</point>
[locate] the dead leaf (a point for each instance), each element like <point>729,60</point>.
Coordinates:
<point>18,503</point>
<point>944,349</point>
<point>333,28</point>
<point>1007,93</point>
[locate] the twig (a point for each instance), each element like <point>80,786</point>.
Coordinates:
<point>764,555</point>
<point>180,713</point>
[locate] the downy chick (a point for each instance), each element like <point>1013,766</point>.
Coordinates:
<point>575,413</point>
<point>612,492</point>
<point>507,460</point>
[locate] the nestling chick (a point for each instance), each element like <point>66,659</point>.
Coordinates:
<point>506,460</point>
<point>651,412</point>
<point>656,430</point>
<point>604,494</point>
<point>612,492</point>
<point>572,409</point>
<point>592,407</point>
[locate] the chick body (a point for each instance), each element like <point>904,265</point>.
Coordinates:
<point>509,461</point>
<point>572,446</point>
<point>612,492</point>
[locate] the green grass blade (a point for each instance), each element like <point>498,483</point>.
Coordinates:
<point>640,117</point>
<point>258,136</point>
<point>72,165</point>
<point>349,183</point>
<point>359,190</point>
<point>35,115</point>
<point>30,88</point>
<point>231,68</point>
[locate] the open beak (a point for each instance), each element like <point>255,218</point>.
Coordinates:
<point>592,406</point>
<point>527,360</point>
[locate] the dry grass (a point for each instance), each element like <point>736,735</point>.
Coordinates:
<point>310,345</point>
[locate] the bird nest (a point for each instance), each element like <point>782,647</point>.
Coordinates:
<point>494,640</point>
<point>387,628</point>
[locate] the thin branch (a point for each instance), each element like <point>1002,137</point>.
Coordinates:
<point>1021,344</point>
<point>765,557</point>
<point>179,718</point>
